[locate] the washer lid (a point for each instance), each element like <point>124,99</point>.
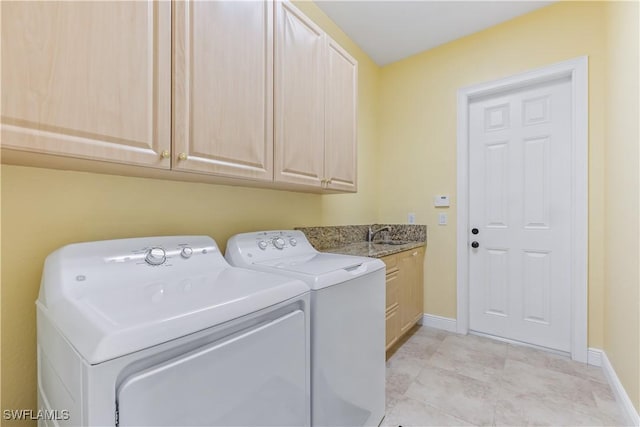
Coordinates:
<point>115,309</point>
<point>315,264</point>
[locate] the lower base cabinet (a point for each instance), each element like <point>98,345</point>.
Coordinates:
<point>405,293</point>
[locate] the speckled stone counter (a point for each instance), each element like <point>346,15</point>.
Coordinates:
<point>352,239</point>
<point>374,250</point>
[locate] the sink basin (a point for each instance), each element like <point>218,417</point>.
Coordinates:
<point>391,242</point>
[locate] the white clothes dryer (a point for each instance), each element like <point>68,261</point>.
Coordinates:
<point>162,331</point>
<point>347,322</point>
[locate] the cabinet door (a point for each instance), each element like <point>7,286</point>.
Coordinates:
<point>341,119</point>
<point>299,98</point>
<point>418,294</point>
<point>406,289</point>
<point>223,88</point>
<point>411,287</point>
<point>88,79</point>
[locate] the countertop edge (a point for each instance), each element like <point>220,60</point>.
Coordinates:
<point>381,250</point>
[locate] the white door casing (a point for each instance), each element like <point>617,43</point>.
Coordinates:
<point>519,219</point>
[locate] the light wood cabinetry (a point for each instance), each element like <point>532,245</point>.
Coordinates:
<point>315,105</point>
<point>393,314</point>
<point>341,111</point>
<point>223,88</point>
<point>299,97</point>
<point>411,292</point>
<point>248,93</point>
<point>88,79</point>
<point>404,293</point>
<point>418,295</point>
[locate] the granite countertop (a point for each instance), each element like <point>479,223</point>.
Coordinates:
<point>374,249</point>
<point>352,239</point>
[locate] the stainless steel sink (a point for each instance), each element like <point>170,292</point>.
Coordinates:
<point>391,242</point>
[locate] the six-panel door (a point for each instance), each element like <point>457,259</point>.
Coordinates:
<point>520,202</point>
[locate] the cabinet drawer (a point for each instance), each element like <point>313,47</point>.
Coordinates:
<point>392,290</point>
<point>392,327</point>
<point>391,262</point>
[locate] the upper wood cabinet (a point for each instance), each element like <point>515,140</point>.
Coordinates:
<point>315,105</point>
<point>223,88</point>
<point>235,92</point>
<point>299,98</point>
<point>341,112</point>
<point>88,79</point>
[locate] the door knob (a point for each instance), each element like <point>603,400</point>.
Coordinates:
<point>475,244</point>
<point>474,231</point>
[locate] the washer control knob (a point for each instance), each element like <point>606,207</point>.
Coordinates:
<point>293,241</point>
<point>155,256</point>
<point>262,244</point>
<point>186,252</point>
<point>278,242</point>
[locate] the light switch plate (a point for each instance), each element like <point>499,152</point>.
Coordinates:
<point>442,219</point>
<point>411,218</point>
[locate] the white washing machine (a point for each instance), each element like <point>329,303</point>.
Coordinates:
<point>162,331</point>
<point>347,322</point>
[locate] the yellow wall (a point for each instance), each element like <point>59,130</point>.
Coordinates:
<point>45,209</point>
<point>622,247</point>
<point>418,131</point>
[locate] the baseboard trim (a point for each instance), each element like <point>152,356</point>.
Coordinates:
<point>439,322</point>
<point>594,356</point>
<point>618,390</point>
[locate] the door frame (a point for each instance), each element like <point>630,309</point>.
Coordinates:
<point>577,70</point>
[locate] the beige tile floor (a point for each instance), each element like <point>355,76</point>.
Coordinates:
<point>438,378</point>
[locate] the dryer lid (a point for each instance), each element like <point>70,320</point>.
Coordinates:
<point>108,309</point>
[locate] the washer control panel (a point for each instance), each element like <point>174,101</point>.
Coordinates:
<point>279,240</point>
<point>113,264</point>
<point>165,252</point>
<point>267,245</point>
<point>157,255</point>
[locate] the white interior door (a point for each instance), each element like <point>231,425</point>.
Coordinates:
<point>520,206</point>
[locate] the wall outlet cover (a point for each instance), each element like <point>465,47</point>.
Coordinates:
<point>411,218</point>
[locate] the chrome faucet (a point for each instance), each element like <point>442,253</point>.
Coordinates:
<point>372,233</point>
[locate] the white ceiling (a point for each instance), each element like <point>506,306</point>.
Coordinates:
<point>392,30</point>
